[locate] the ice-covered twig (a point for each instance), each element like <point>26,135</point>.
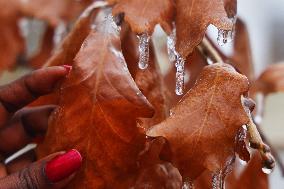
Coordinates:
<point>257,143</point>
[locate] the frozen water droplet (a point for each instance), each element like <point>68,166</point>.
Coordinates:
<point>224,36</point>
<point>179,74</point>
<point>171,113</point>
<point>188,185</point>
<point>143,50</point>
<point>209,61</point>
<point>217,180</point>
<point>266,170</point>
<point>139,93</point>
<point>171,43</point>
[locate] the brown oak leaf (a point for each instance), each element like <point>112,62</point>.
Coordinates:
<point>271,79</point>
<point>98,109</point>
<point>252,176</point>
<point>242,58</point>
<point>202,127</point>
<point>231,7</point>
<point>192,19</point>
<point>144,15</point>
<point>53,11</point>
<point>66,52</point>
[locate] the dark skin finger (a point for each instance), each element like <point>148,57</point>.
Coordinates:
<point>54,171</point>
<point>21,162</point>
<point>23,91</point>
<point>27,124</point>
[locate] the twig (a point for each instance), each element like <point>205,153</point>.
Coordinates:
<point>255,140</point>
<point>208,51</point>
<point>273,151</point>
<point>257,143</point>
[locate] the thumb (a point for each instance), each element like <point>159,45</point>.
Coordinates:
<point>54,172</point>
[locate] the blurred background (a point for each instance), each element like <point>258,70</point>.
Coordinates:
<point>265,22</point>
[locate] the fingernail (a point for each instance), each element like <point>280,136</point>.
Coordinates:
<point>68,68</point>
<point>63,166</point>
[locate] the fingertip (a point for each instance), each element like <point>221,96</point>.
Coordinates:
<point>63,166</point>
<point>68,68</point>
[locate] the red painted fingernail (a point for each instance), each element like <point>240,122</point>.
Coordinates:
<point>67,67</point>
<point>63,166</point>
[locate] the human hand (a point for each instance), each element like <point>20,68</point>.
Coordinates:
<point>19,126</point>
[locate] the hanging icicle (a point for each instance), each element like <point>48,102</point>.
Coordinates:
<point>174,56</point>
<point>171,45</point>
<point>144,39</point>
<point>179,75</point>
<point>224,36</point>
<point>217,180</point>
<point>227,36</point>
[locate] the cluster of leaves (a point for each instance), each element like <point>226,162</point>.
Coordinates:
<point>119,116</point>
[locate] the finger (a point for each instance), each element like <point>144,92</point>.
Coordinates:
<point>27,124</point>
<point>52,172</point>
<point>23,91</point>
<point>21,162</point>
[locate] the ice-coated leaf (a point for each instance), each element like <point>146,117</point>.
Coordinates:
<point>98,108</point>
<point>252,176</point>
<point>201,130</point>
<point>192,19</point>
<point>144,15</point>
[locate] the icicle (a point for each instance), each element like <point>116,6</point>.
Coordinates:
<point>174,56</point>
<point>188,185</point>
<point>224,36</point>
<point>171,43</point>
<point>227,36</point>
<point>228,167</point>
<point>144,39</point>
<point>179,74</point>
<point>218,177</point>
<point>217,180</point>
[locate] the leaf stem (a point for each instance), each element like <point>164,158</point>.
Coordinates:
<point>209,51</point>
<point>257,143</point>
